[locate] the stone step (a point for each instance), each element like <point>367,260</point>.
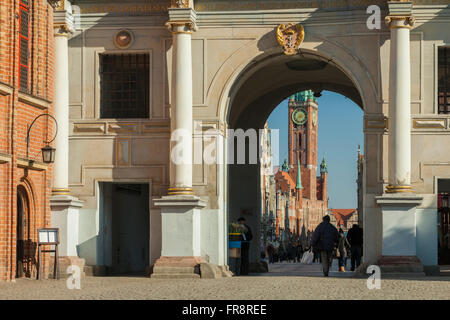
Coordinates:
<point>175,276</point>
<point>171,270</point>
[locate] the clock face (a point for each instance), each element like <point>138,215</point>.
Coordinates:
<point>314,120</point>
<point>299,116</point>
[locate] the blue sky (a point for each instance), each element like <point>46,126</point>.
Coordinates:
<point>340,124</point>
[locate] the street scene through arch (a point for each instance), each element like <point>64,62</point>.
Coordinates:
<point>155,136</point>
<point>289,205</point>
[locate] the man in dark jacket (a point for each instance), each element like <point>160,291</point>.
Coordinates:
<point>355,237</point>
<point>325,238</point>
<point>245,247</point>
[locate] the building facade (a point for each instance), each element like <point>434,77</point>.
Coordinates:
<point>344,218</point>
<point>150,79</point>
<point>268,187</point>
<point>26,93</point>
<point>302,197</point>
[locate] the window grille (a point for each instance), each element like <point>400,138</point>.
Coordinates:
<point>24,38</point>
<point>444,80</point>
<point>124,85</point>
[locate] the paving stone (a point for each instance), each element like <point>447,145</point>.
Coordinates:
<point>283,281</point>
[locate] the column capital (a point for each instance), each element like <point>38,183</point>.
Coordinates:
<point>62,18</point>
<point>400,14</point>
<point>182,20</point>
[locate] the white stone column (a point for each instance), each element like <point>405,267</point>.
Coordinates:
<point>398,204</point>
<point>65,208</point>
<point>181,112</point>
<point>399,102</point>
<point>181,209</point>
<point>61,112</point>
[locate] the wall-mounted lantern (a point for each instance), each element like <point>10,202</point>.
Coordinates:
<point>48,153</point>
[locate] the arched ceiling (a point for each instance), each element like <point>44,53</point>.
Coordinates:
<point>263,84</point>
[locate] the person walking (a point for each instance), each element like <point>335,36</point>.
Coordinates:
<point>325,238</point>
<point>292,252</point>
<point>355,238</point>
<point>270,252</point>
<point>262,250</point>
<point>316,253</point>
<point>342,250</point>
<point>245,246</point>
<point>299,252</point>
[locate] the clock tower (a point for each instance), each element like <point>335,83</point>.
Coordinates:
<point>302,143</point>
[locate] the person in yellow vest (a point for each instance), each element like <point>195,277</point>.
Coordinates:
<point>245,246</point>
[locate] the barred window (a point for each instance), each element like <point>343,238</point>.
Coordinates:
<point>444,80</point>
<point>24,38</point>
<point>124,85</point>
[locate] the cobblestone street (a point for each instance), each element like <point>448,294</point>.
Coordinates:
<point>284,281</point>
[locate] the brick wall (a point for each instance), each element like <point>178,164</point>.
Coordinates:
<point>15,115</point>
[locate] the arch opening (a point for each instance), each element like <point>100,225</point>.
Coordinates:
<point>256,91</point>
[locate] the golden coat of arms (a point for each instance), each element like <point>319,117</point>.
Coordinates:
<point>290,37</point>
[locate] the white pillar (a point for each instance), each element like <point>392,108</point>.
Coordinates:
<point>65,208</point>
<point>61,112</point>
<point>181,247</point>
<point>399,105</point>
<point>181,113</point>
<point>398,247</point>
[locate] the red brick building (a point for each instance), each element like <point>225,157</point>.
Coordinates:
<point>26,91</point>
<point>301,199</point>
<point>344,217</point>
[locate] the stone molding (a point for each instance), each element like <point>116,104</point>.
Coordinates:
<point>65,201</point>
<point>34,101</point>
<point>31,164</point>
<point>5,158</point>
<point>6,89</point>
<point>185,201</point>
<point>399,200</point>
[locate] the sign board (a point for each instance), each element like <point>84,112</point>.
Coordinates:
<point>48,235</point>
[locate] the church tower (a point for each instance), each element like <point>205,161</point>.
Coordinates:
<point>302,135</point>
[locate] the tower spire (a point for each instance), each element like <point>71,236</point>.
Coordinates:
<point>323,166</point>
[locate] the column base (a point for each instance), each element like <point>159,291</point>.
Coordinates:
<point>60,191</point>
<point>188,268</point>
<point>399,189</point>
<point>65,212</point>
<point>173,191</point>
<point>64,263</point>
<point>399,223</point>
<point>177,268</point>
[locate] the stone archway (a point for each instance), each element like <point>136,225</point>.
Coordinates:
<point>256,90</point>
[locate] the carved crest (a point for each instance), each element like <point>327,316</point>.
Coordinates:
<point>290,37</point>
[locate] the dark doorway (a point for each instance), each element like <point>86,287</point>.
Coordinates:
<point>22,231</point>
<point>444,221</point>
<point>126,225</point>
